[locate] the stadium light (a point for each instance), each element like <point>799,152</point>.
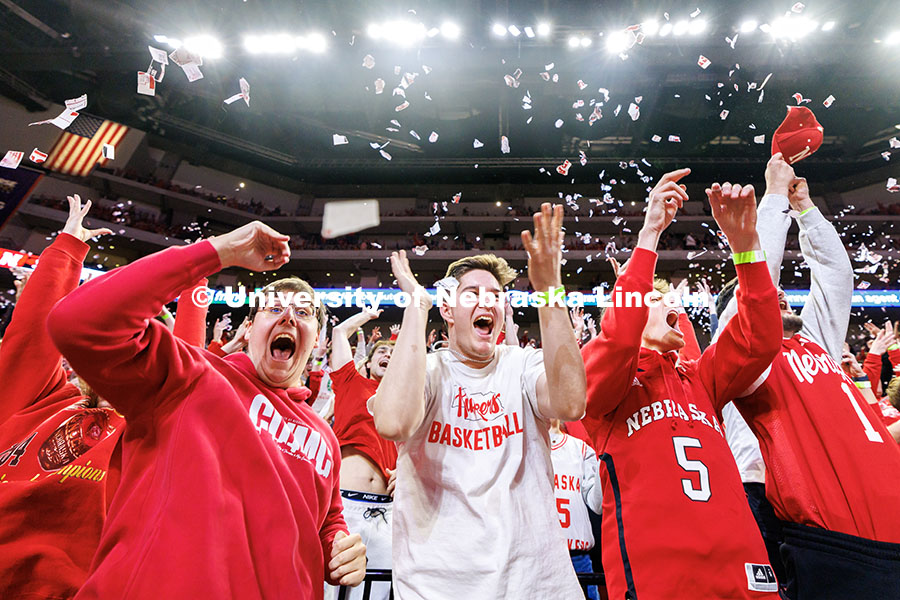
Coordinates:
<point>529,32</point>
<point>374,31</point>
<point>316,42</point>
<point>617,42</point>
<point>574,41</point>
<point>828,26</point>
<point>650,27</point>
<point>433,32</point>
<point>205,45</point>
<point>450,30</point>
<point>892,39</point>
<point>748,26</point>
<point>680,28</point>
<point>585,42</point>
<point>499,30</point>
<point>665,30</point>
<point>697,26</point>
<point>543,29</point>
<point>514,30</point>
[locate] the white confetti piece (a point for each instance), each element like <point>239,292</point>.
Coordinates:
<point>828,101</point>
<point>886,155</point>
<point>385,154</point>
<point>695,14</point>
<point>433,137</point>
<point>634,111</point>
<point>146,85</point>
<point>723,115</point>
<point>339,140</point>
<point>799,99</point>
<point>158,55</point>
<point>379,85</point>
<point>402,106</point>
<point>655,138</point>
<point>504,144</point>
<point>558,124</point>
<point>413,133</point>
<point>350,216</point>
<point>37,156</point>
<point>420,250</point>
<point>894,142</point>
<point>457,197</point>
<point>563,169</point>
<point>703,62</point>
<point>64,119</point>
<point>78,103</point>
<point>581,84</point>
<point>675,138</point>
<point>759,139</point>
<point>109,152</point>
<point>243,95</point>
<point>798,7</point>
<point>12,159</point>
<point>477,143</point>
<point>368,61</point>
<point>605,93</point>
<point>892,185</point>
<point>549,67</point>
<point>511,81</point>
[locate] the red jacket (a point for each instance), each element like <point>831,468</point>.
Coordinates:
<point>54,451</point>
<point>229,487</point>
<point>872,367</point>
<point>674,512</point>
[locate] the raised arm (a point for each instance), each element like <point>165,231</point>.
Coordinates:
<point>399,403</point>
<point>30,365</point>
<point>611,359</point>
<point>190,320</point>
<point>341,353</point>
<point>106,327</point>
<point>750,341</point>
<point>826,312</point>
<point>773,223</point>
<point>561,388</point>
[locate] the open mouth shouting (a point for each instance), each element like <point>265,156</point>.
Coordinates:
<point>484,326</point>
<point>672,321</point>
<point>282,347</point>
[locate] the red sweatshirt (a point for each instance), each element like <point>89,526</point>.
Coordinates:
<point>675,517</point>
<point>830,462</point>
<point>54,451</point>
<point>872,367</point>
<point>229,487</point>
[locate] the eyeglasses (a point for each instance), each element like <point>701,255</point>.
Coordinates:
<point>302,313</point>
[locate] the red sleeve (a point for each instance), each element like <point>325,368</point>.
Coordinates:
<point>894,357</point>
<point>691,348</point>
<point>216,348</point>
<point>394,337</point>
<point>501,337</point>
<point>749,342</point>
<point>611,358</point>
<point>334,521</point>
<point>872,367</point>
<point>314,383</point>
<point>577,429</point>
<point>107,331</point>
<point>30,365</point>
<point>190,320</point>
<point>344,376</point>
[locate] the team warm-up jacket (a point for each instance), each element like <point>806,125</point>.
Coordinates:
<point>675,518</point>
<point>229,487</point>
<point>825,449</point>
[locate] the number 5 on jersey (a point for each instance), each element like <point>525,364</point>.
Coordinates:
<point>692,466</point>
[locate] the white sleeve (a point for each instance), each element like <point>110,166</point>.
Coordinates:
<point>592,493</point>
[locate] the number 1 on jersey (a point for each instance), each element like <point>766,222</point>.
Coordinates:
<point>692,466</point>
<point>873,435</point>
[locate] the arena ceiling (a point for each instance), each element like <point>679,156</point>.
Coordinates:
<point>51,50</point>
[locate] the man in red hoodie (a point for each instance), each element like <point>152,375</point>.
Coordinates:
<point>229,483</point>
<point>675,521</point>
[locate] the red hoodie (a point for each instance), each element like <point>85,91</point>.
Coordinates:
<point>229,487</point>
<point>675,517</point>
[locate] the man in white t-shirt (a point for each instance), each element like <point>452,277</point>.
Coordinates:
<point>474,513</point>
<point>575,469</point>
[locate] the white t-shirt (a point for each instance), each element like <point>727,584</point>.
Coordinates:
<point>575,468</point>
<point>474,513</point>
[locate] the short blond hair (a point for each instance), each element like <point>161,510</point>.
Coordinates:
<point>893,392</point>
<point>496,266</point>
<point>661,285</point>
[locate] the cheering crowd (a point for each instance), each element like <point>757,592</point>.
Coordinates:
<point>139,461</point>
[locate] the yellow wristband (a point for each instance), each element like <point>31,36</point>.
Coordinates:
<point>893,347</point>
<point>863,385</point>
<point>752,256</point>
<point>807,210</point>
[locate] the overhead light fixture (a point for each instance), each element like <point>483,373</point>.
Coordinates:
<point>499,29</point>
<point>374,31</point>
<point>665,30</point>
<point>892,38</point>
<point>697,26</point>
<point>543,29</point>
<point>585,42</point>
<point>748,26</point>
<point>316,42</point>
<point>529,32</point>
<point>680,28</point>
<point>450,30</point>
<point>514,30</point>
<point>574,41</point>
<point>828,26</point>
<point>433,32</point>
<point>205,45</point>
<point>617,42</point>
<point>650,27</point>
<point>404,33</point>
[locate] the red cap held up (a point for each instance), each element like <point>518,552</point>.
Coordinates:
<point>798,136</point>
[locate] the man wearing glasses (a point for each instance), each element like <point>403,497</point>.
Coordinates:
<point>229,480</point>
